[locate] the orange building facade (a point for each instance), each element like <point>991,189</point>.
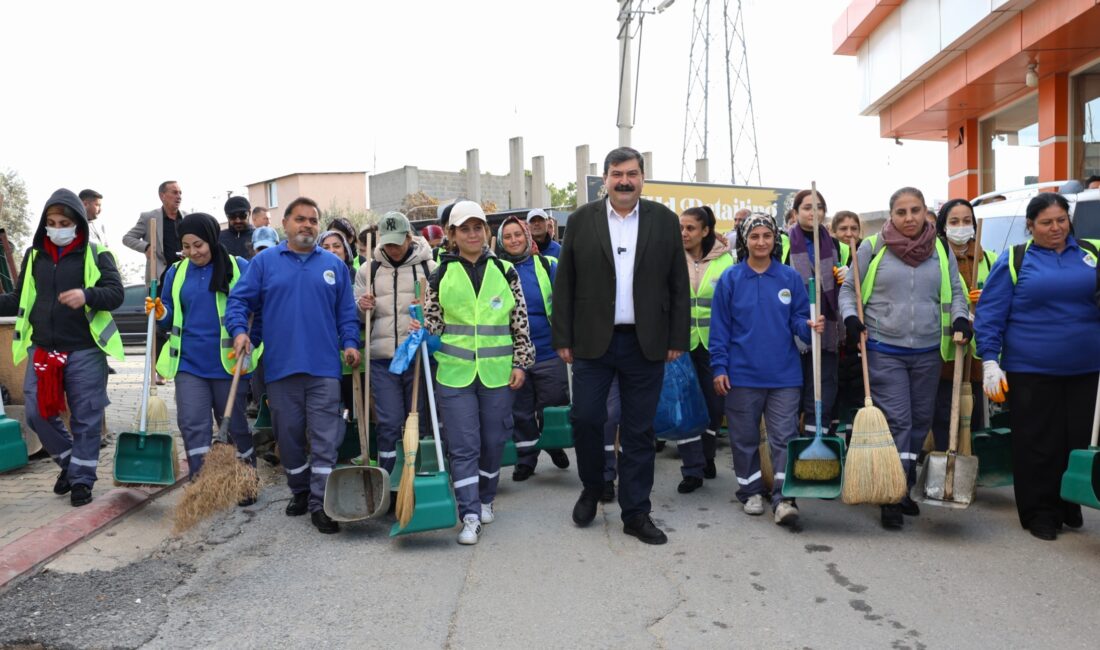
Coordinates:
<point>1012,86</point>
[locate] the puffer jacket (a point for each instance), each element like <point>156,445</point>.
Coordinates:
<point>393,289</point>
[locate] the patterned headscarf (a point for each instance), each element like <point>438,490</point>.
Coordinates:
<point>752,221</point>
<point>528,251</point>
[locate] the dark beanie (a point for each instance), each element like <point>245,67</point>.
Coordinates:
<point>237,204</point>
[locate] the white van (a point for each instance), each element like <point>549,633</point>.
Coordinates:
<point>1004,224</point>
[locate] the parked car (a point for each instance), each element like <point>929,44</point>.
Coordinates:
<point>130,316</point>
<point>1004,224</point>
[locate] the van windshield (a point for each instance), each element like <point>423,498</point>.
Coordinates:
<point>1086,220</point>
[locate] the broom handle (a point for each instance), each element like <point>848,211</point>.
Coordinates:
<point>431,405</point>
<point>151,328</point>
<point>816,288</point>
<point>1096,420</point>
<point>863,335</point>
<point>223,429</point>
<point>978,257</point>
<point>956,383</point>
<point>364,382</point>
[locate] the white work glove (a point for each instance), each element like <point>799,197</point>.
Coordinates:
<point>994,381</point>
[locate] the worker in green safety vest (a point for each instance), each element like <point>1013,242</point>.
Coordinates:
<point>199,354</point>
<point>913,305</point>
<point>707,258</point>
<point>62,302</point>
<point>475,304</point>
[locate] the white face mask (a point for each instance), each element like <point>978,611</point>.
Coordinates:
<point>61,236</point>
<point>960,235</point>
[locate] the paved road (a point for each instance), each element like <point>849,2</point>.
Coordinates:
<point>951,579</point>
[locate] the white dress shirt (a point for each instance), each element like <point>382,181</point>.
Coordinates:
<point>624,244</point>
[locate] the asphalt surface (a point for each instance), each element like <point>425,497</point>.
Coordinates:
<point>254,577</point>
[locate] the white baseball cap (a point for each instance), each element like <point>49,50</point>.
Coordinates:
<point>536,213</point>
<point>464,211</point>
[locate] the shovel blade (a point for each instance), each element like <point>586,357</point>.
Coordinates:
<point>931,486</point>
<point>354,493</point>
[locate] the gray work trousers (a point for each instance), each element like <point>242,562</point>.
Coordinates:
<point>200,403</point>
<point>479,422</point>
<point>301,403</point>
<point>85,379</point>
<point>546,385</point>
<point>744,406</point>
<point>904,387</point>
<point>392,403</point>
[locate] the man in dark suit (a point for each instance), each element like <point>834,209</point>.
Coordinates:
<point>621,309</point>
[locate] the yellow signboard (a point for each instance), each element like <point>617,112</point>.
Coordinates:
<point>725,200</point>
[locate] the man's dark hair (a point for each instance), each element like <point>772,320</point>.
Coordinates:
<point>1091,179</point>
<point>164,186</point>
<point>621,155</point>
<point>87,195</point>
<point>301,200</point>
<point>258,209</point>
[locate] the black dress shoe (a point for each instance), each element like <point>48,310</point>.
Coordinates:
<point>61,485</point>
<point>642,527</point>
<point>522,472</point>
<point>608,494</point>
<point>81,496</point>
<point>324,523</point>
<point>891,517</point>
<point>299,505</point>
<point>1071,516</point>
<point>909,507</point>
<point>710,471</point>
<point>1044,531</point>
<point>689,484</point>
<point>558,456</point>
<point>585,509</point>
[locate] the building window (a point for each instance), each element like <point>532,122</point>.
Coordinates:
<point>1086,123</point>
<point>1010,147</point>
<point>272,194</point>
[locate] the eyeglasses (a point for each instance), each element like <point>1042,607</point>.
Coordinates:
<point>239,215</point>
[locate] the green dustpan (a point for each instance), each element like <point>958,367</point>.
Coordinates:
<point>510,456</point>
<point>795,487</point>
<point>1081,482</point>
<point>993,447</point>
<point>13,449</point>
<point>426,461</point>
<point>141,456</point>
<point>263,414</point>
<point>557,429</point>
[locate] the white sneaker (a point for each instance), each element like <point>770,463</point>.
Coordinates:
<point>487,513</point>
<point>785,513</point>
<point>471,528</point>
<point>755,505</point>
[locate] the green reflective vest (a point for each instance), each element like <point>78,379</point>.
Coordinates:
<point>477,337</point>
<point>984,264</point>
<point>1090,246</point>
<point>701,300</point>
<point>845,253</point>
<point>947,346</point>
<point>102,325</point>
<point>785,255</point>
<point>542,274</point>
<point>168,364</point>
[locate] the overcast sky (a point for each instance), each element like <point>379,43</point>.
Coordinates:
<point>221,94</point>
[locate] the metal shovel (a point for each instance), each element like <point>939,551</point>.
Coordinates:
<point>356,492</point>
<point>946,478</point>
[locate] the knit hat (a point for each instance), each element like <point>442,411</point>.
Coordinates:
<point>237,204</point>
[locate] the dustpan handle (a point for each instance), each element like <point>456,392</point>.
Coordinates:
<point>151,327</point>
<point>431,404</point>
<point>1096,419</point>
<point>956,383</point>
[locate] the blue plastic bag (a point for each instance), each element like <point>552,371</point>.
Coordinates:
<point>405,353</point>
<point>682,410</point>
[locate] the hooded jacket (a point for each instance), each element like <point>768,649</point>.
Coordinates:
<point>239,244</point>
<point>57,327</point>
<point>697,270</point>
<point>393,289</point>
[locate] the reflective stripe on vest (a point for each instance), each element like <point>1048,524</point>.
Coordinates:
<point>477,339</point>
<point>100,323</point>
<point>701,301</point>
<point>168,364</point>
<point>947,347</point>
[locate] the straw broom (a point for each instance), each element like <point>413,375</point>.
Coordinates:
<point>406,501</point>
<point>767,472</point>
<point>873,473</point>
<point>224,480</point>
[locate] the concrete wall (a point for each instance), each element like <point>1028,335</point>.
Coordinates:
<point>389,189</point>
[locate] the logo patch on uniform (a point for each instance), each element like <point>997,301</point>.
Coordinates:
<point>785,296</point>
<point>496,302</point>
<point>1090,261</point>
<point>714,283</point>
<point>330,276</point>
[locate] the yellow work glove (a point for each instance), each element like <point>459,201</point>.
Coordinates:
<point>975,294</point>
<point>150,304</point>
<point>840,274</point>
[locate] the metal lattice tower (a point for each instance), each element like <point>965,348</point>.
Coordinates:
<point>744,159</point>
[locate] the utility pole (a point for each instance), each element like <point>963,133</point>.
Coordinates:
<point>626,73</point>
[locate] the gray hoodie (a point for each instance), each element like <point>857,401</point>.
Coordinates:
<point>904,309</point>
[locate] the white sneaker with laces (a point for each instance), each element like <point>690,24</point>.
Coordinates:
<point>785,513</point>
<point>471,528</point>
<point>755,505</point>
<point>487,516</point>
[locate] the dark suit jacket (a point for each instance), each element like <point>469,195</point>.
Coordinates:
<point>584,291</point>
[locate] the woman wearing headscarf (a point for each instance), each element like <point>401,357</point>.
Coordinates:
<point>199,352</point>
<point>62,304</point>
<point>475,304</point>
<point>913,304</point>
<point>546,383</point>
<point>955,227</point>
<point>1037,325</point>
<point>707,258</point>
<point>760,306</point>
<point>335,242</point>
